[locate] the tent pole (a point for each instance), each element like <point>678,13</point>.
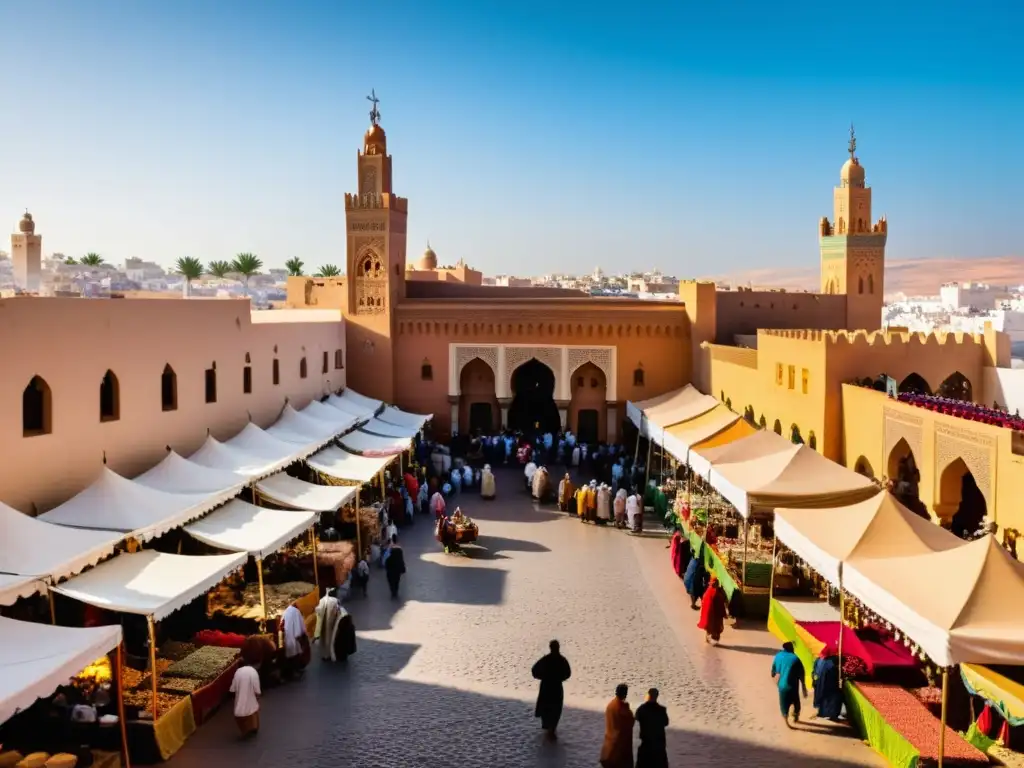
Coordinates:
<point>316,568</point>
<point>125,759</point>
<point>359,538</point>
<point>942,724</point>
<point>53,607</point>
<point>152,663</point>
<point>746,531</point>
<point>639,431</point>
<point>647,469</point>
<point>771,583</point>
<point>263,596</point>
<point>842,614</point>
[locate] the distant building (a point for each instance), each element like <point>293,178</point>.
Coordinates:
<point>26,254</point>
<point>977,295</point>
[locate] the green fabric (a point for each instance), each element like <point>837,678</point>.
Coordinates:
<point>660,503</point>
<point>649,493</point>
<point>977,738</point>
<point>786,625</point>
<point>879,734</point>
<point>712,562</point>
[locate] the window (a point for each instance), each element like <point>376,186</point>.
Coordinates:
<point>860,285</point>
<point>871,283</point>
<point>35,408</point>
<point>247,380</point>
<point>325,365</point>
<point>110,406</point>
<point>211,384</point>
<point>277,372</point>
<point>579,381</point>
<point>792,377</point>
<point>169,389</point>
<point>339,358</point>
<point>778,374</point>
<point>805,382</point>
<point>427,371</point>
<point>302,368</point>
<point>812,441</point>
<point>638,377</point>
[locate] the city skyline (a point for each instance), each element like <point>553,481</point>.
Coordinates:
<point>525,143</point>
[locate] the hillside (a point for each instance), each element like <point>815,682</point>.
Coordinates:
<point>914,277</point>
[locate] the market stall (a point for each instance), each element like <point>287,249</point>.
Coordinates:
<point>348,409</point>
<point>360,404</point>
<point>384,429</point>
<point>217,455</point>
<point>296,429</point>
<point>287,491</point>
<point>36,660</point>
<point>670,408</point>
<point>176,474</point>
<point>257,442</point>
<point>115,503</point>
<point>14,588</point>
<point>393,415</point>
<point>322,414</point>
<point>366,444</point>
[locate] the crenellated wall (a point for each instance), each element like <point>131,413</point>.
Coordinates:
<point>746,312</point>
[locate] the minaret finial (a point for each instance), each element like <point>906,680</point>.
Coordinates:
<point>853,143</point>
<point>374,112</point>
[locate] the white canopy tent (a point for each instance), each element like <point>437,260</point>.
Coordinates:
<point>114,503</point>
<point>149,583</point>
<point>36,659</point>
<point>342,465</point>
<point>218,455</point>
<point>239,526</point>
<point>361,403</point>
<point>373,445</point>
<point>635,411</point>
<point>337,421</point>
<point>679,439</point>
<point>393,415</point>
<point>33,552</point>
<point>298,430</point>
<point>257,442</point>
<point>176,474</point>
<point>668,409</point>
<point>384,429</point>
<point>348,408</point>
<point>298,494</point>
<point>761,442</point>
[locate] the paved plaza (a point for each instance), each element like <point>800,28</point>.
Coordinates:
<point>442,675</point>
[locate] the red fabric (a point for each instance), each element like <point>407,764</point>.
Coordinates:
<point>219,639</point>
<point>1004,733</point>
<point>677,542</point>
<point>985,720</point>
<point>411,485</point>
<point>713,607</point>
<point>873,649</point>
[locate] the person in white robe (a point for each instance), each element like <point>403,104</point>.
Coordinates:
<point>328,613</point>
<point>604,504</point>
<point>529,472</point>
<point>576,456</point>
<point>539,484</point>
<point>632,509</point>
<point>293,630</point>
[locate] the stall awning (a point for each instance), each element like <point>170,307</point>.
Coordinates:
<point>342,465</point>
<point>717,447</point>
<point>678,439</point>
<point>384,429</point>
<point>31,549</point>
<point>672,413</point>
<point>373,445</point>
<point>349,409</point>
<point>875,528</point>
<point>394,415</point>
<point>114,503</point>
<point>256,441</point>
<point>150,583</point>
<point>361,403</point>
<point>959,605</point>
<point>296,429</point>
<point>767,471</point>
<point>218,455</point>
<point>240,526</point>
<point>37,659</point>
<point>665,409</point>
<point>336,421</point>
<point>298,494</point>
<point>176,474</point>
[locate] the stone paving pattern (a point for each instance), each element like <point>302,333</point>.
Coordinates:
<point>442,675</point>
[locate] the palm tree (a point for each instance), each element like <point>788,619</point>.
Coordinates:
<point>294,267</point>
<point>219,268</point>
<point>328,270</point>
<point>191,269</point>
<point>70,260</point>
<point>91,260</point>
<point>247,265</point>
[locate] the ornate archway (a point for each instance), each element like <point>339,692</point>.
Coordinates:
<point>533,406</point>
<point>961,502</point>
<point>478,400</point>
<point>956,386</point>
<point>587,406</point>
<point>915,384</point>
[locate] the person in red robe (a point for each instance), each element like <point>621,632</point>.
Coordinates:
<point>412,485</point>
<point>617,750</point>
<point>714,609</point>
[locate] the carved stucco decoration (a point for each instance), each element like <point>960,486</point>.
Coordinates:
<point>550,356</point>
<point>599,356</point>
<point>465,355</point>
<point>902,425</point>
<point>371,279</point>
<point>977,451</point>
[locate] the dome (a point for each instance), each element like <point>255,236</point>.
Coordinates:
<point>428,260</point>
<point>852,172</point>
<point>26,225</point>
<point>375,139</point>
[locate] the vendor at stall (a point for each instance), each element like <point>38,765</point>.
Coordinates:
<point>296,641</point>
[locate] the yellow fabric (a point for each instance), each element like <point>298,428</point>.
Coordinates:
<point>35,760</point>
<point>703,426</point>
<point>173,728</point>
<point>739,429</point>
<point>995,687</point>
<point>307,603</point>
<point>101,759</point>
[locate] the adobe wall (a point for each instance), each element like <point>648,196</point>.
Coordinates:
<point>435,289</point>
<point>746,312</point>
<point>71,343</point>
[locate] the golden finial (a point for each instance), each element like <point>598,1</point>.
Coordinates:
<point>853,143</point>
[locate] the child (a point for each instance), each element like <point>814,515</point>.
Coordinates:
<point>246,687</point>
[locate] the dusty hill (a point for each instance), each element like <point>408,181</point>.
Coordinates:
<point>914,277</point>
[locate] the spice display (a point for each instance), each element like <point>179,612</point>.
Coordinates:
<point>182,685</point>
<point>208,662</point>
<point>173,650</point>
<point>144,701</point>
<point>340,555</point>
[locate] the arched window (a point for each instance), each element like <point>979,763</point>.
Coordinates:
<point>762,422</point>
<point>339,358</point>
<point>35,408</point>
<point>871,283</point>
<point>169,389</point>
<point>110,398</point>
<point>638,377</point>
<point>211,384</point>
<point>860,285</point>
<point>247,380</point>
<point>302,368</point>
<point>777,427</point>
<point>812,441</point>
<point>277,372</point>
<point>795,436</point>
<point>427,371</point>
<point>326,368</point>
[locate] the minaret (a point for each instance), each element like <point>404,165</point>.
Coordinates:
<point>26,255</point>
<point>853,248</point>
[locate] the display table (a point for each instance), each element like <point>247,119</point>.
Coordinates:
<point>784,626</point>
<point>753,600</point>
<point>207,699</point>
<point>152,743</point>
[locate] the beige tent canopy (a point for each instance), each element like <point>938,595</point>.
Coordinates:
<point>960,604</point>
<point>680,438</point>
<point>764,470</point>
<point>668,409</point>
<point>878,527</point>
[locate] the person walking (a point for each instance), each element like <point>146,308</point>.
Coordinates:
<point>714,608</point>
<point>617,750</point>
<point>792,681</point>
<point>395,566</point>
<point>653,720</point>
<point>246,687</point>
<point>695,578</point>
<point>552,670</point>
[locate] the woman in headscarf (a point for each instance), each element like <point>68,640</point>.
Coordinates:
<point>828,696</point>
<point>604,504</point>
<point>487,485</point>
<point>437,505</point>
<point>680,554</point>
<point>296,641</point>
<point>633,510</point>
<point>620,508</point>
<point>566,492</point>
<point>695,578</point>
<point>714,608</point>
<point>581,503</point>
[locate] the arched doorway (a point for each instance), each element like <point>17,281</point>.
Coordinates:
<point>533,404</point>
<point>794,435</point>
<point>960,500</point>
<point>956,386</point>
<point>905,478</point>
<point>777,428</point>
<point>863,467</point>
<point>588,406</point>
<point>478,401</point>
<point>915,384</point>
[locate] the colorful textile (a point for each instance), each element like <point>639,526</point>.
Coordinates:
<point>713,610</point>
<point>1001,692</point>
<point>879,735</point>
<point>173,727</point>
<point>781,624</point>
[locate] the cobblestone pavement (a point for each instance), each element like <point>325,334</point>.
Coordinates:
<point>442,675</point>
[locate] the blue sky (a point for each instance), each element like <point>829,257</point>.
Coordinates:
<point>529,137</point>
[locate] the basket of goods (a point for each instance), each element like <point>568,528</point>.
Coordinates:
<point>204,664</point>
<point>785,571</point>
<point>466,530</point>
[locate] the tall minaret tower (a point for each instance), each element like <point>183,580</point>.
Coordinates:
<point>26,255</point>
<point>853,248</point>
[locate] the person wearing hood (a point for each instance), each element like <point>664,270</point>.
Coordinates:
<point>488,489</point>
<point>633,510</point>
<point>528,473</point>
<point>620,508</point>
<point>328,613</point>
<point>828,695</point>
<point>714,609</point>
<point>695,579</point>
<point>604,504</point>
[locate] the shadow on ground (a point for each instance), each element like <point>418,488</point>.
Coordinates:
<point>361,714</point>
